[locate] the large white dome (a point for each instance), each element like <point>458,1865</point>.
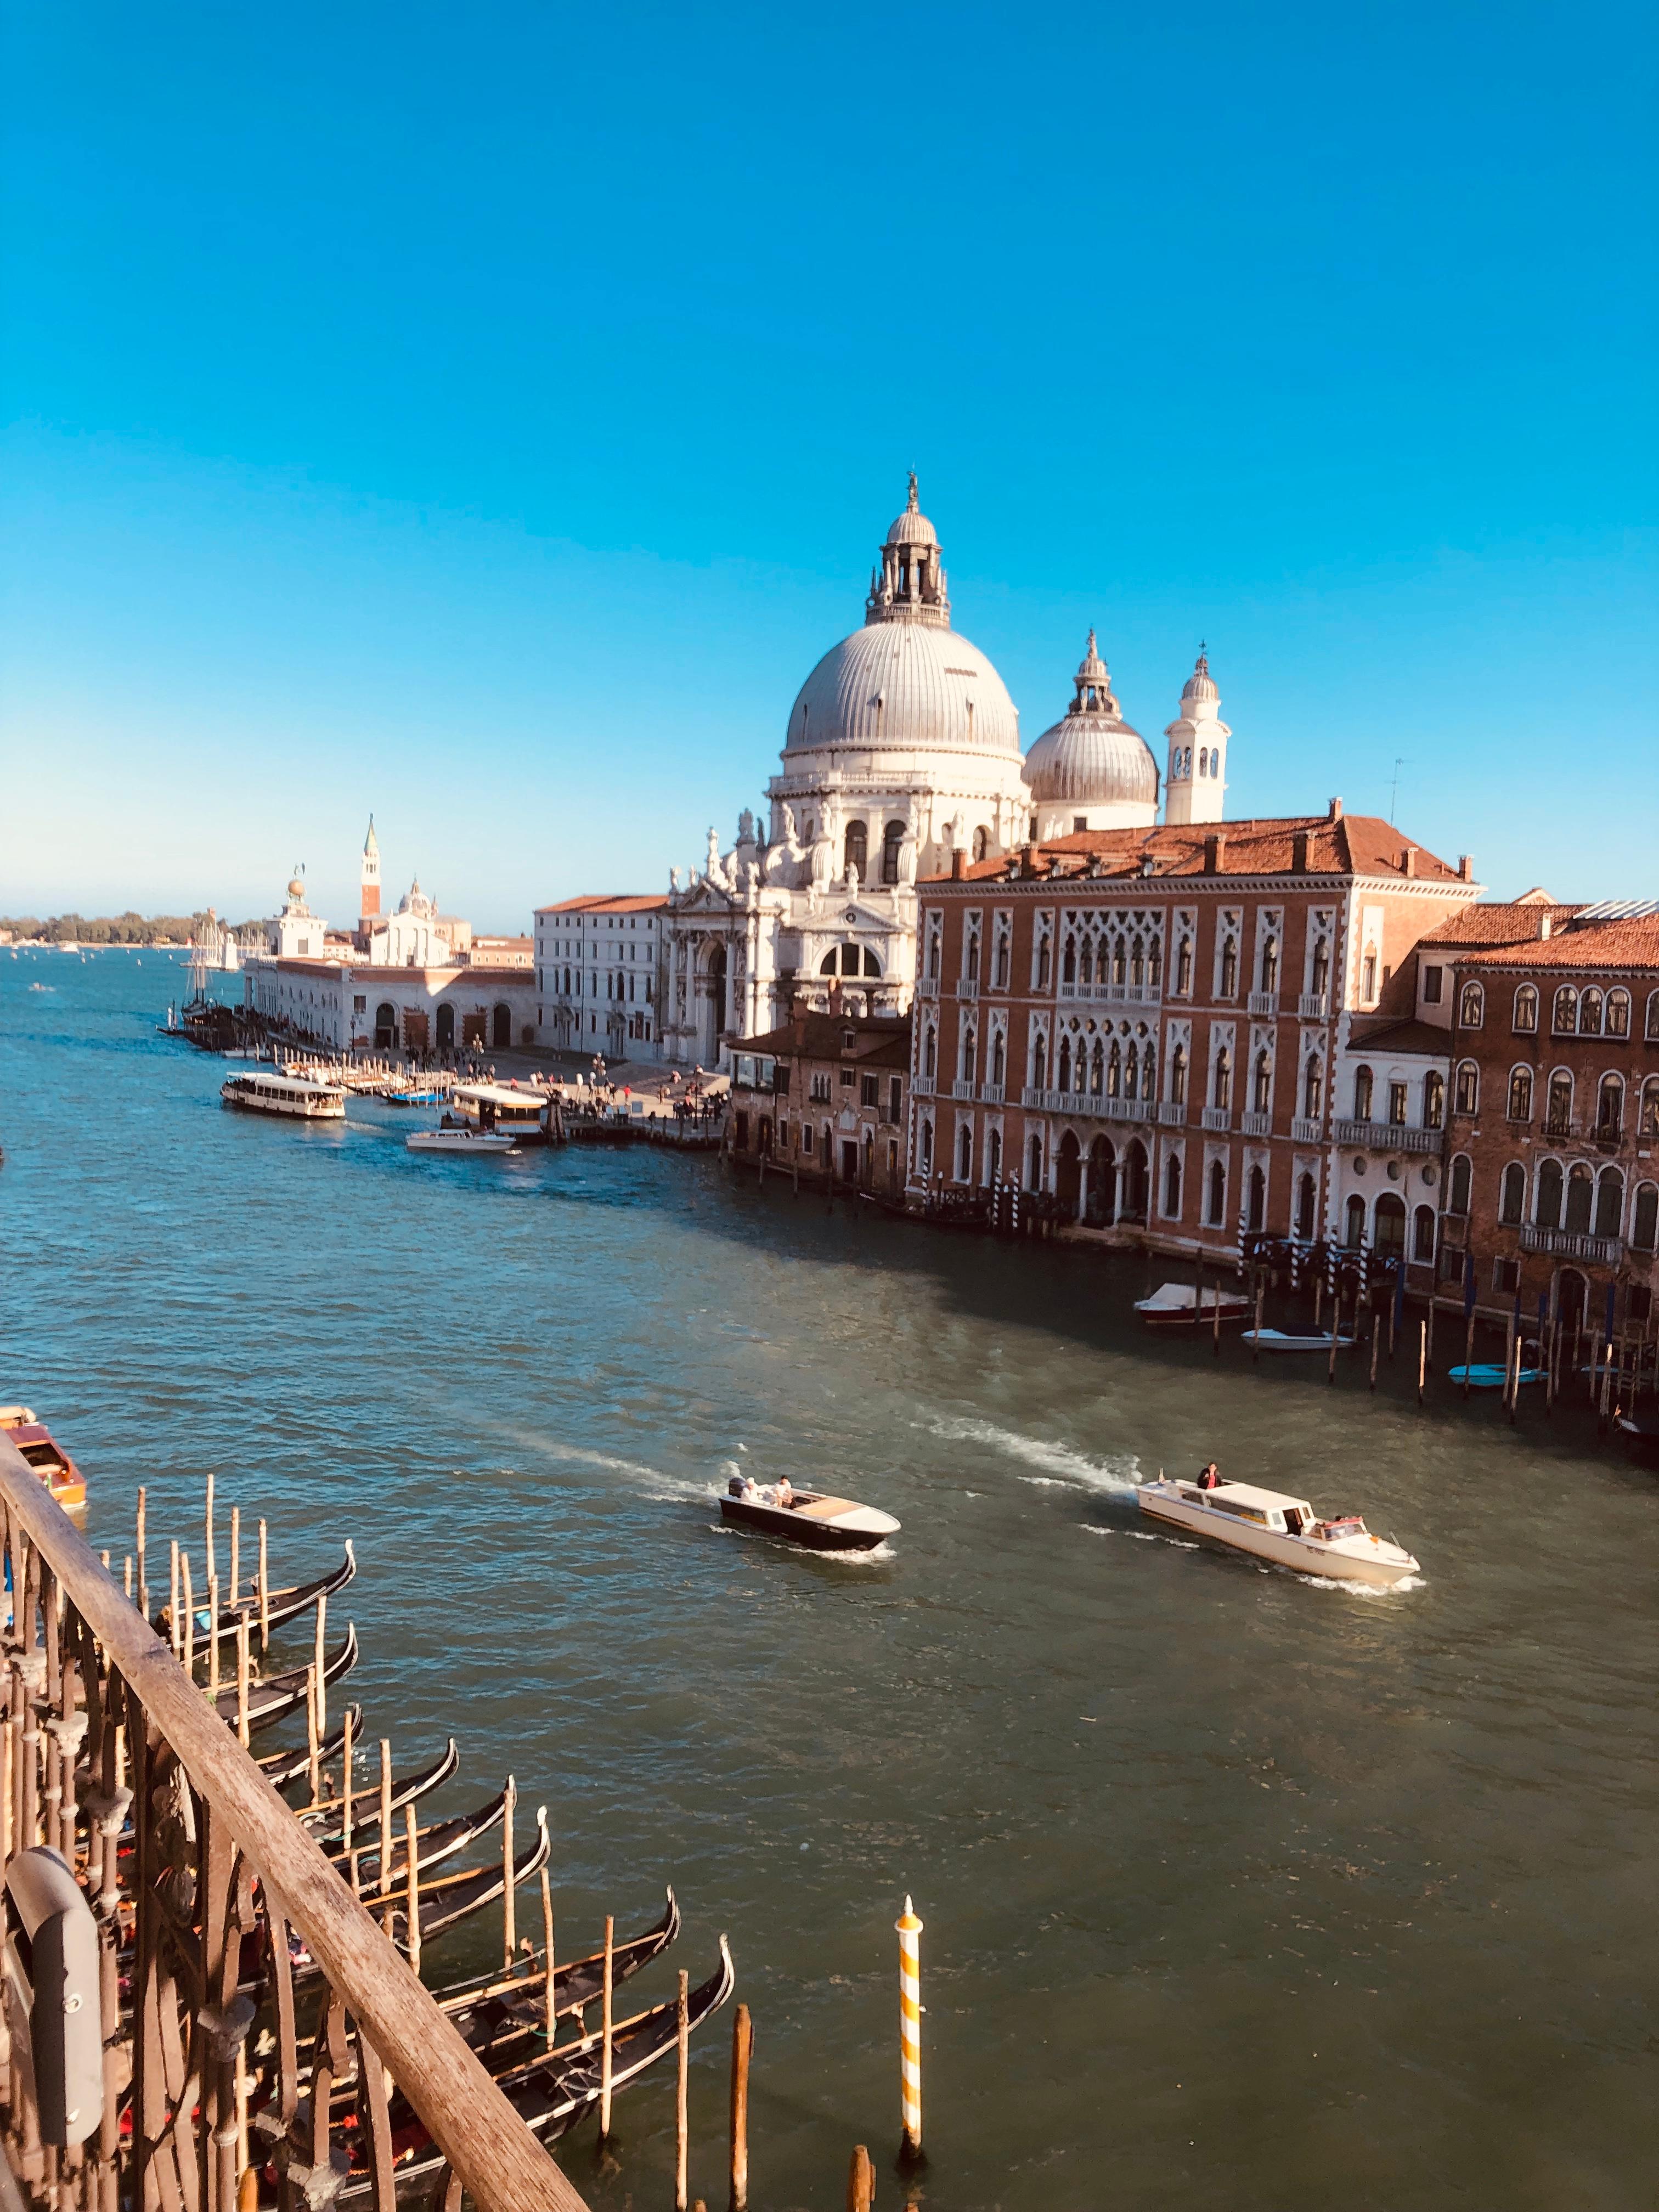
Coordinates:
<point>904,686</point>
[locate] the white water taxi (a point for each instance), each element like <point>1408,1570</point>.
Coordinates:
<point>822,1523</point>
<point>301,1097</point>
<point>1279,1340</point>
<point>1174,1306</point>
<point>1286,1530</point>
<point>459,1139</point>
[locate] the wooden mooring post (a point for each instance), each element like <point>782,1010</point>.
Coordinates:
<point>681,2132</point>
<point>861,2182</point>
<point>1422,1358</point>
<point>742,2050</point>
<point>908,1927</point>
<point>608,2011</point>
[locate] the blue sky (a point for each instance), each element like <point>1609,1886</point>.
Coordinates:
<point>487,416</point>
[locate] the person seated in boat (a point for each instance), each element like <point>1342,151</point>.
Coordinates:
<point>786,1491</point>
<point>1211,1477</point>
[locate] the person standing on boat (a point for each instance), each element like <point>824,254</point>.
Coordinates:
<point>1211,1477</point>
<point>786,1491</point>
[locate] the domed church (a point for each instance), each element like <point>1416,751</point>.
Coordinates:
<point>901,750</point>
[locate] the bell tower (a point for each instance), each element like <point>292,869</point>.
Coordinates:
<point>369,903</point>
<point>1196,782</point>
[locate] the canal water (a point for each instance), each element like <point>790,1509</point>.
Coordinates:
<point>1239,1890</point>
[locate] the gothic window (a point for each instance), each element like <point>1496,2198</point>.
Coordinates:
<point>935,939</point>
<point>1218,1194</point>
<point>1130,1074</point>
<point>1257,1214</point>
<point>1178,1076</point>
<point>926,1147</point>
<point>1559,1117</point>
<point>1423,1235</point>
<point>1155,964</point>
<point>1322,968</point>
<point>1224,1079</point>
<point>1034,1165</point>
<point>1565,1019</point>
<point>1068,960</point>
<point>1617,1021</point>
<point>1609,1203</point>
<point>1581,1186</point>
<point>1472,1006</point>
<point>1306,1200</point>
<point>999,952</point>
<point>1264,1083</point>
<point>1549,1195</point>
<point>1312,1090</point>
<point>1148,1071</point>
<point>1512,1210</point>
<point>1184,972</point>
<point>969,1052</point>
<point>1434,1099</point>
<point>1118,955</point>
<point>1229,968</point>
<point>1526,1010</point>
<point>1458,1197</point>
<point>1589,1014</point>
<point>1645,1217</point>
<point>1651,1024</point>
<point>1649,1126</point>
<point>1040,1062</point>
<point>891,838</point>
<point>1520,1107</point>
<point>993,1155</point>
<point>1610,1107</point>
<point>999,1056</point>
<point>1114,1072</point>
<point>929,1051</point>
<point>1172,1187</point>
<point>1270,964</point>
<point>1137,963</point>
<point>1085,967</point>
<point>965,1153</point>
<point>1468,1087</point>
<point>1097,1069</point>
<point>855,850</point>
<point>1063,1066</point>
<point>981,843</point>
<point>1362,1094</point>
<point>1045,955</point>
<point>970,950</point>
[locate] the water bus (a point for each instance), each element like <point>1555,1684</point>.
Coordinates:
<point>526,1116</point>
<point>1269,1525</point>
<point>302,1097</point>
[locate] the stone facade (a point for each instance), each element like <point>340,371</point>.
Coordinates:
<point>825,1099</point>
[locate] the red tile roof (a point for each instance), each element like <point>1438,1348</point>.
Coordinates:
<point>881,1039</point>
<point>1352,844</point>
<point>608,902</point>
<point>1497,921</point>
<point>1622,945</point>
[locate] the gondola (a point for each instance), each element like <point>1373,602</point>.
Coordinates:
<point>282,1606</point>
<point>327,1821</point>
<point>553,2090</point>
<point>434,1845</point>
<point>275,1696</point>
<point>444,1903</point>
<point>281,1767</point>
<point>576,1981</point>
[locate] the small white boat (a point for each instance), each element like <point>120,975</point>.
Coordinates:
<point>1173,1306</point>
<point>1279,1339</point>
<point>464,1141</point>
<point>527,1115</point>
<point>300,1098</point>
<point>1269,1525</point>
<point>811,1518</point>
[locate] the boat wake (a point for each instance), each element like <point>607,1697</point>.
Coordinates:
<point>1358,1590</point>
<point>1115,1476</point>
<point>660,1485</point>
<point>1139,1535</point>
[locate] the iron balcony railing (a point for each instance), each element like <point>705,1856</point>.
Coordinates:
<point>193,1866</point>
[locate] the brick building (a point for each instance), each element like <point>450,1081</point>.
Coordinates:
<point>825,1097</point>
<point>1146,1023</point>
<point>1552,1141</point>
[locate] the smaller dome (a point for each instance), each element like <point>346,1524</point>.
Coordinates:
<point>1201,684</point>
<point>1093,757</point>
<point>912,527</point>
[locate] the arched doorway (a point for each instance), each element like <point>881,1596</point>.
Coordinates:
<point>714,1007</point>
<point>1304,1209</point>
<point>1390,1227</point>
<point>501,1027</point>
<point>386,1026</point>
<point>1257,1200</point>
<point>1069,1173</point>
<point>1571,1297</point>
<point>446,1028</point>
<point>1135,1182</point>
<point>1102,1210</point>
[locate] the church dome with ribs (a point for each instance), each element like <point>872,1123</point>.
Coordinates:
<point>1091,762</point>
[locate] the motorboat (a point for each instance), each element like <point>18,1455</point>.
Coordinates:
<point>1175,1306</point>
<point>1270,1525</point>
<point>458,1137</point>
<point>526,1115</point>
<point>1485,1376</point>
<point>810,1517</point>
<point>1279,1340</point>
<point>302,1097</point>
<point>49,1461</point>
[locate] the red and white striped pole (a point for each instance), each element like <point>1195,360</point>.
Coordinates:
<point>909,1931</point>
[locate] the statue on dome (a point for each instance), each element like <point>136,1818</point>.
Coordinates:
<point>746,828</point>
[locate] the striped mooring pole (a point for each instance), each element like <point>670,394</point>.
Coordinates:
<point>909,1931</point>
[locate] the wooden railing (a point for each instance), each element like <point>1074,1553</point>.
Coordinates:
<point>209,1877</point>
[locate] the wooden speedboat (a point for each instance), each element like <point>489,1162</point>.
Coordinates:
<point>32,1439</point>
<point>1269,1525</point>
<point>1175,1306</point>
<point>297,1097</point>
<point>822,1523</point>
<point>1279,1340</point>
<point>457,1137</point>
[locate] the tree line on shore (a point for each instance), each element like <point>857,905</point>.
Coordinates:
<point>119,928</point>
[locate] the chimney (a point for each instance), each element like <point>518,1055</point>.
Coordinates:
<point>1215,854</point>
<point>834,996</point>
<point>1336,809</point>
<point>1409,861</point>
<point>1148,864</point>
<point>1299,852</point>
<point>1465,866</point>
<point>958,865</point>
<point>1544,924</point>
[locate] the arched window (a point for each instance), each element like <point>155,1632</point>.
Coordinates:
<point>1649,1126</point>
<point>999,955</point>
<point>1264,1083</point>
<point>1256,1200</point>
<point>1229,968</point>
<point>1114,1072</point>
<point>1218,1211</point>
<point>1063,1066</point>
<point>1354,1229</point>
<point>1068,960</point>
<point>1564,1019</point>
<point>930,1051</point>
<point>1155,964</point>
<point>1548,1215</point>
<point>891,838</point>
<point>872,961</point>
<point>1119,956</point>
<point>1610,1106</point>
<point>1172,1187</point>
<point>1178,1077</point>
<point>1097,1069</point>
<point>1645,1217</point>
<point>1204,760</point>
<point>829,963</point>
<point>1581,1186</point>
<point>1085,965</point>
<point>1468,1087</point>
<point>1306,1200</point>
<point>1472,1006</point>
<point>1434,1099</point>
<point>981,843</point>
<point>1457,1193</point>
<point>999,1056</point>
<point>1526,1010</point>
<point>1423,1235</point>
<point>1184,974</point>
<point>1557,1121</point>
<point>1148,1071</point>
<point>1270,964</point>
<point>1609,1203</point>
<point>1321,967</point>
<point>1652,1021</point>
<point>1130,1074</point>
<point>1362,1090</point>
<point>971,964</point>
<point>1040,1062</point>
<point>1034,1165</point>
<point>1389,1226</point>
<point>965,1153</point>
<point>1589,1014</point>
<point>1045,963</point>
<point>1520,1108</point>
<point>855,848</point>
<point>1512,1210</point>
<point>925,1148</point>
<point>994,1156</point>
<point>1224,1078</point>
<point>1313,1089</point>
<point>1618,1021</point>
<point>970,1052</point>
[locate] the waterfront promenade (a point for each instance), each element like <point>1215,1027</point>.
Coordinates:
<point>1237,1889</point>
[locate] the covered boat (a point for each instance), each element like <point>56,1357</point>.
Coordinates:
<point>1280,1340</point>
<point>298,1098</point>
<point>49,1459</point>
<point>1270,1525</point>
<point>810,1517</point>
<point>1175,1305</point>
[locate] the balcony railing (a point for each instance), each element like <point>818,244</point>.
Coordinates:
<point>1089,1102</point>
<point>1218,1117</point>
<point>1115,994</point>
<point>1171,1115</point>
<point>1313,1006</point>
<point>963,1087</point>
<point>1256,1125</point>
<point>990,1093</point>
<point>215,1870</point>
<point>1307,1129</point>
<point>1571,1244</point>
<point>1264,1002</point>
<point>1388,1137</point>
<point>967,986</point>
<point>928,987</point>
<point>922,1085</point>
